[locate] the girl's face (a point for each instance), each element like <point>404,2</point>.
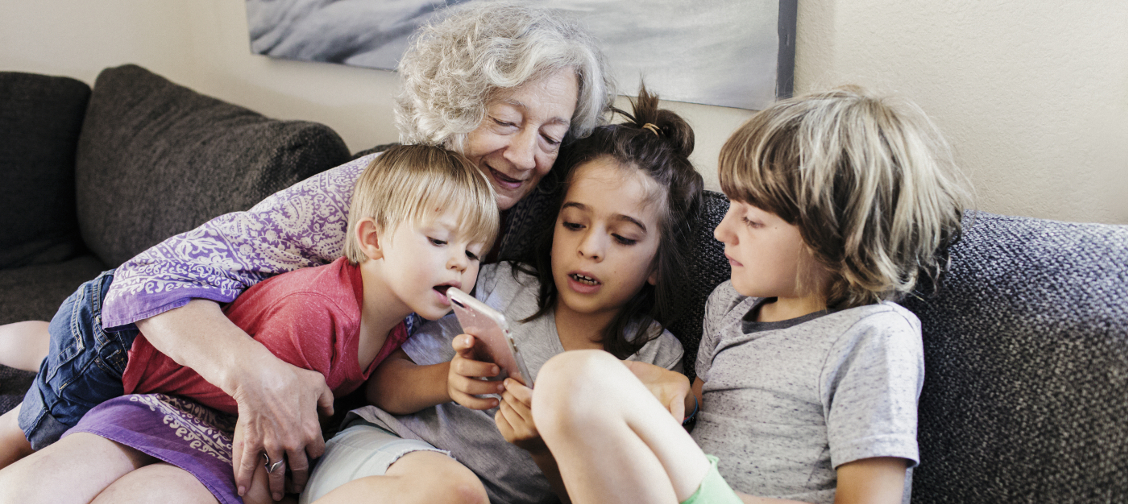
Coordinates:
<point>605,239</point>
<point>769,259</point>
<point>519,139</point>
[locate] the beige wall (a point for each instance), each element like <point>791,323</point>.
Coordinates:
<point>1033,94</point>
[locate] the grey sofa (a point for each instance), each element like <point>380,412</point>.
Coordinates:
<point>90,177</point>
<point>1025,394</point>
<point>1026,341</point>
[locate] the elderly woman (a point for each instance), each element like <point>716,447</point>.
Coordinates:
<point>504,84</point>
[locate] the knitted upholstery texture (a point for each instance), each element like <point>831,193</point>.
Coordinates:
<point>1026,354</point>
<point>707,268</point>
<point>156,159</point>
<point>40,119</point>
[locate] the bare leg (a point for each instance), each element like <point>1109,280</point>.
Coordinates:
<point>168,484</point>
<point>613,441</point>
<point>13,444</point>
<point>259,491</point>
<point>23,345</point>
<point>76,468</point>
<point>159,482</point>
<point>422,476</point>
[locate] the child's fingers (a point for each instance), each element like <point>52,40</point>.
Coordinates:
<point>503,426</point>
<point>518,412</point>
<point>520,392</point>
<point>473,386</point>
<point>677,408</point>
<point>463,366</point>
<point>463,345</point>
<point>472,402</point>
<point>516,426</point>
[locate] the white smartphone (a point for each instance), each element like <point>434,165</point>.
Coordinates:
<point>489,326</point>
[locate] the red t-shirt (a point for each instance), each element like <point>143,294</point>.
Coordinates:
<point>309,318</point>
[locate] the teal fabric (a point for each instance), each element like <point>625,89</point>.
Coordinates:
<point>713,489</point>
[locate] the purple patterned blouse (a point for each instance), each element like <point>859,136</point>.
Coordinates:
<point>303,225</point>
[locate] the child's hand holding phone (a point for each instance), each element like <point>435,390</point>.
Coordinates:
<point>466,379</point>
<point>514,417</point>
<point>493,341</point>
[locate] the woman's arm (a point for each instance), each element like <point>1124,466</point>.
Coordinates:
<point>164,290</point>
<point>303,225</point>
<point>278,402</point>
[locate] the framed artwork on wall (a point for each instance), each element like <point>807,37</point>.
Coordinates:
<point>731,53</point>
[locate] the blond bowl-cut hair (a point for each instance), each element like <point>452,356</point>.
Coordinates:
<point>869,181</point>
<point>454,67</point>
<point>414,184</point>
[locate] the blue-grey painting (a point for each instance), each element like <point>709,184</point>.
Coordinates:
<point>733,53</point>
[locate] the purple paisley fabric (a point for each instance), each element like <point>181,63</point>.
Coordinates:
<point>303,225</point>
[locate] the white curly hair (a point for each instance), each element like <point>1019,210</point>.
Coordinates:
<point>452,69</point>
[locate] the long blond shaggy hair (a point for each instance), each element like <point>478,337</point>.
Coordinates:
<point>869,181</point>
<point>414,184</point>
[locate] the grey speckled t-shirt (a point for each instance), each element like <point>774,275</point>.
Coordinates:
<point>785,403</point>
<point>508,472</point>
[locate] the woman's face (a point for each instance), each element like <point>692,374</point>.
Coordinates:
<point>518,140</point>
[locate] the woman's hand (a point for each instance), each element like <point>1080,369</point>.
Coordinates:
<point>463,379</point>
<point>274,419</point>
<point>514,418</point>
<point>670,387</point>
<point>278,402</point>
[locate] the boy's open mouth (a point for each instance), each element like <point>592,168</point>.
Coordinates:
<point>586,280</point>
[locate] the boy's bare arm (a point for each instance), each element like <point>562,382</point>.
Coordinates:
<point>877,480</point>
<point>873,480</point>
<point>400,386</point>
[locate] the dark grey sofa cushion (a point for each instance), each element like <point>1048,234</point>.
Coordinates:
<point>40,119</point>
<point>35,292</point>
<point>156,159</point>
<point>1026,355</point>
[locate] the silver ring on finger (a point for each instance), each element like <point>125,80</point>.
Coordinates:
<point>270,467</point>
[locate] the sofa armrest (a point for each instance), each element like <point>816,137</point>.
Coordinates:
<point>1026,349</point>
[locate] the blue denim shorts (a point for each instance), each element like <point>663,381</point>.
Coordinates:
<point>83,367</point>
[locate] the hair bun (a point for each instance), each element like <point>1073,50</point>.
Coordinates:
<point>664,123</point>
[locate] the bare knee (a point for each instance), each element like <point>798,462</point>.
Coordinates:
<point>23,345</point>
<point>159,482</point>
<point>417,477</point>
<point>573,388</point>
<point>450,482</point>
<point>13,444</point>
<point>464,490</point>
